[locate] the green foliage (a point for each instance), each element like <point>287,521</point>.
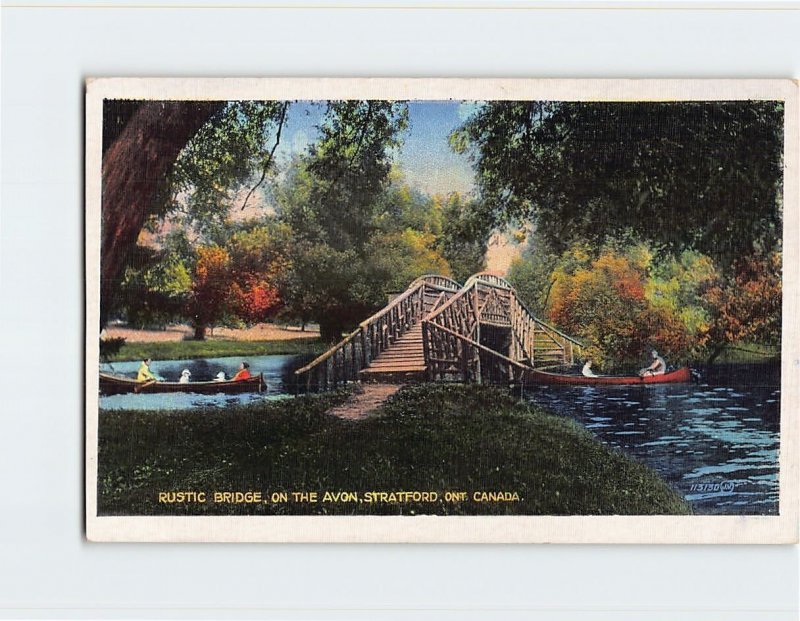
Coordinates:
<point>110,347</point>
<point>221,159</point>
<point>347,170</point>
<point>428,437</point>
<point>260,247</point>
<point>405,256</point>
<point>400,207</point>
<point>331,203</point>
<point>691,175</point>
<point>154,288</point>
<point>348,229</point>
<point>532,274</point>
<point>677,286</point>
<point>465,233</point>
<point>336,288</point>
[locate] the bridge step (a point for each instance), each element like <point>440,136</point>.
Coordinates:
<point>395,360</point>
<point>392,377</point>
<point>399,357</point>
<point>404,347</point>
<point>403,367</point>
<point>403,361</point>
<point>384,365</point>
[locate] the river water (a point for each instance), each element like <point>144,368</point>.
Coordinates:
<point>715,441</point>
<point>278,374</point>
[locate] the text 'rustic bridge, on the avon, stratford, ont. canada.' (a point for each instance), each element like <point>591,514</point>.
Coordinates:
<point>438,330</point>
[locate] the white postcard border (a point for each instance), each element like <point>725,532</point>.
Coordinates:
<point>782,528</point>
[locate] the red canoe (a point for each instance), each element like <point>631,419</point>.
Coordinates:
<point>673,377</point>
<point>116,385</point>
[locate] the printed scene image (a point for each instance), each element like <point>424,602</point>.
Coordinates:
<point>369,307</point>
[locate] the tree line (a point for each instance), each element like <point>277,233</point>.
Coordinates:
<point>342,230</point>
<point>649,223</point>
<point>657,224</point>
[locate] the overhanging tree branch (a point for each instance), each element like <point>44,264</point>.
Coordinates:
<point>359,143</point>
<point>269,158</point>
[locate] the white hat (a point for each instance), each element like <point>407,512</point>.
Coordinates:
<point>221,375</point>
<point>186,372</point>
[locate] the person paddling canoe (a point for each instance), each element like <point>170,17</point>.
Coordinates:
<point>243,373</point>
<point>659,367</point>
<point>145,374</point>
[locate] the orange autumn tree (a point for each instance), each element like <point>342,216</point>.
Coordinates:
<point>211,284</point>
<point>746,306</point>
<point>237,284</point>
<point>258,260</point>
<point>604,302</point>
<point>253,299</point>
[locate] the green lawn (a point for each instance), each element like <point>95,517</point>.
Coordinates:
<point>183,350</point>
<point>427,438</point>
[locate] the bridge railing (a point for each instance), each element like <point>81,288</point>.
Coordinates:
<point>457,314</point>
<point>454,357</point>
<point>534,343</point>
<point>343,362</point>
<point>537,342</point>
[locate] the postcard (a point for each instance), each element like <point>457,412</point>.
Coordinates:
<point>442,310</point>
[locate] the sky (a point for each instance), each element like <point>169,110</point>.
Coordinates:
<point>425,157</point>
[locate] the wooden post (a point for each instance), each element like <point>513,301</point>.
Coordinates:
<point>364,352</point>
<point>477,313</point>
<point>465,360</point>
<point>426,350</point>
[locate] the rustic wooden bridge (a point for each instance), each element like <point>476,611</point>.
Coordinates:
<point>438,330</point>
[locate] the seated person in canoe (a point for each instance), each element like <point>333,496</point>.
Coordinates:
<point>145,374</point>
<point>185,375</point>
<point>243,373</point>
<point>587,369</point>
<point>658,367</point>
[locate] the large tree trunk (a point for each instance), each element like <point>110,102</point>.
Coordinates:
<point>330,329</point>
<point>200,332</point>
<point>135,168</point>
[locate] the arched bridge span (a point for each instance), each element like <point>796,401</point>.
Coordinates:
<point>438,330</point>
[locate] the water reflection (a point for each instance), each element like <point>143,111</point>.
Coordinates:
<point>715,442</point>
<point>278,373</point>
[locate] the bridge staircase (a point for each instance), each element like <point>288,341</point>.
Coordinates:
<point>403,361</point>
<point>386,347</point>
<point>439,331</point>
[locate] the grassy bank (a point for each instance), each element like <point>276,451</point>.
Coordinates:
<point>749,353</point>
<point>184,350</point>
<point>427,438</point>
